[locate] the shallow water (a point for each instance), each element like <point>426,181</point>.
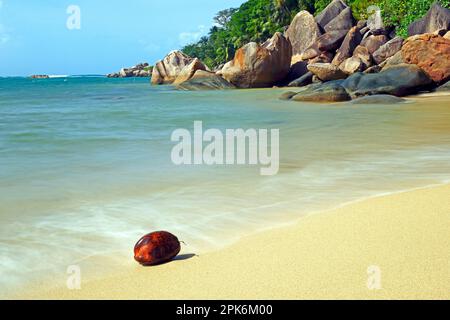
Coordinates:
<point>85,166</point>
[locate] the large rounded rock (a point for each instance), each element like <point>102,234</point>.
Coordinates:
<point>330,41</point>
<point>259,66</point>
<point>311,52</point>
<point>287,95</point>
<point>373,43</point>
<point>437,18</point>
<point>344,21</point>
<point>345,51</point>
<point>398,80</point>
<point>296,71</point>
<point>168,69</point>
<point>395,60</point>
<point>324,57</point>
<point>189,71</point>
<point>302,33</point>
<point>363,54</point>
<point>205,80</point>
<point>388,49</point>
<point>125,73</point>
<point>327,92</point>
<point>302,81</point>
<point>352,65</point>
<point>444,88</point>
<point>430,52</point>
<point>330,12</point>
<point>378,99</point>
<point>373,69</point>
<point>326,71</point>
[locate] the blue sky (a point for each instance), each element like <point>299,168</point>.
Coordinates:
<point>34,38</point>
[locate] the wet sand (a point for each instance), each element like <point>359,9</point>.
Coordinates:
<point>389,247</point>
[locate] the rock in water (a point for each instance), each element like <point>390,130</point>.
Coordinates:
<point>168,69</point>
<point>189,71</point>
<point>327,92</point>
<point>156,248</point>
<point>205,80</point>
<point>259,66</point>
<point>378,99</point>
<point>287,95</point>
<point>430,52</point>
<point>399,81</point>
<point>436,19</point>
<point>302,33</point>
<point>39,76</point>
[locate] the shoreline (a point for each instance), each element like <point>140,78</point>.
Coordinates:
<point>258,276</point>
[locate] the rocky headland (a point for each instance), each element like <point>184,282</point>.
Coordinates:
<point>327,58</point>
<point>141,70</point>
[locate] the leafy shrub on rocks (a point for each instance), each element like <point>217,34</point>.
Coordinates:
<point>395,13</point>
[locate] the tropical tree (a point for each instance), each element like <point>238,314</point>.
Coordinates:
<point>258,20</point>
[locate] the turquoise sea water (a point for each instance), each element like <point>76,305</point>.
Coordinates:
<point>85,167</point>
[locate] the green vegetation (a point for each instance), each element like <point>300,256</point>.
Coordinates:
<point>395,13</point>
<point>255,20</point>
<point>401,13</point>
<point>258,20</point>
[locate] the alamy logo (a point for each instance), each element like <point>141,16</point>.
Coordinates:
<point>74,277</point>
<point>74,19</point>
<point>374,278</point>
<point>375,20</point>
<point>235,146</point>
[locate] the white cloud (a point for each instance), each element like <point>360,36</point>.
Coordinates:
<point>190,37</point>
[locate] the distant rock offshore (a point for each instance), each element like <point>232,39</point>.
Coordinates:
<point>39,76</point>
<point>141,70</point>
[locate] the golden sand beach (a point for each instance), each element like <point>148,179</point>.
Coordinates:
<point>390,247</point>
